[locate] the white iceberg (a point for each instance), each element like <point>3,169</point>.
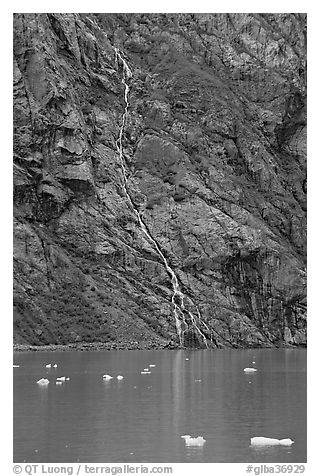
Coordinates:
<point>55,366</point>
<point>15,366</point>
<point>249,369</point>
<point>190,441</point>
<point>152,365</point>
<point>48,366</point>
<point>119,377</point>
<point>146,370</point>
<point>58,382</point>
<point>262,441</point>
<point>107,377</point>
<point>61,379</point>
<point>43,381</point>
<point>145,373</point>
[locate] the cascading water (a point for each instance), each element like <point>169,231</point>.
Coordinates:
<point>177,299</point>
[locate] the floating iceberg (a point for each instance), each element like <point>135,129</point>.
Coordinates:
<point>249,369</point>
<point>55,366</point>
<point>152,365</point>
<point>58,382</point>
<point>43,381</point>
<point>145,373</point>
<point>119,377</point>
<point>61,379</point>
<point>48,366</point>
<point>107,377</point>
<point>262,441</point>
<point>189,441</point>
<point>146,370</point>
<point>15,366</point>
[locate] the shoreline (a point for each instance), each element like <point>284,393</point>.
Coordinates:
<point>97,346</point>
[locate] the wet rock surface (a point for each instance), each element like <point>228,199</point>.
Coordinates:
<point>215,152</point>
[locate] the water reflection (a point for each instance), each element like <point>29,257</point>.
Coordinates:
<point>194,454</point>
<point>178,390</point>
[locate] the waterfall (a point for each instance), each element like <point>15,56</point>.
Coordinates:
<point>177,298</point>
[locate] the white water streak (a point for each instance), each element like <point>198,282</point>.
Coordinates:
<point>177,296</point>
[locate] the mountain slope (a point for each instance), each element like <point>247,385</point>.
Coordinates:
<point>214,163</point>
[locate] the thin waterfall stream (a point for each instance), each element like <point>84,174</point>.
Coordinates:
<point>177,298</point>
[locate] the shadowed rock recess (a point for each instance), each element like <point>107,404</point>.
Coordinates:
<point>212,162</point>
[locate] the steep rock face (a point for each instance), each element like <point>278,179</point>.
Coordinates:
<point>215,150</point>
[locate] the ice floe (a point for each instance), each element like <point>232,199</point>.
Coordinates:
<point>107,377</point>
<point>190,441</point>
<point>263,441</point>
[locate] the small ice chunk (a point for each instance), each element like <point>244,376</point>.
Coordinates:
<point>262,441</point>
<point>189,441</point>
<point>152,365</point>
<point>107,377</point>
<point>187,358</point>
<point>48,366</point>
<point>67,378</point>
<point>145,373</point>
<point>119,377</point>
<point>146,370</point>
<point>61,379</point>
<point>253,361</point>
<point>249,369</point>
<point>55,366</point>
<point>43,381</point>
<point>15,366</point>
<point>58,382</point>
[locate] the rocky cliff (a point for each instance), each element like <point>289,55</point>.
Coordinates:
<point>207,152</point>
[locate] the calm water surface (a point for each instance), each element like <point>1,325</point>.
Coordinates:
<point>141,418</point>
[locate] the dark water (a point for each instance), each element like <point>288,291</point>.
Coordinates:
<point>141,418</point>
